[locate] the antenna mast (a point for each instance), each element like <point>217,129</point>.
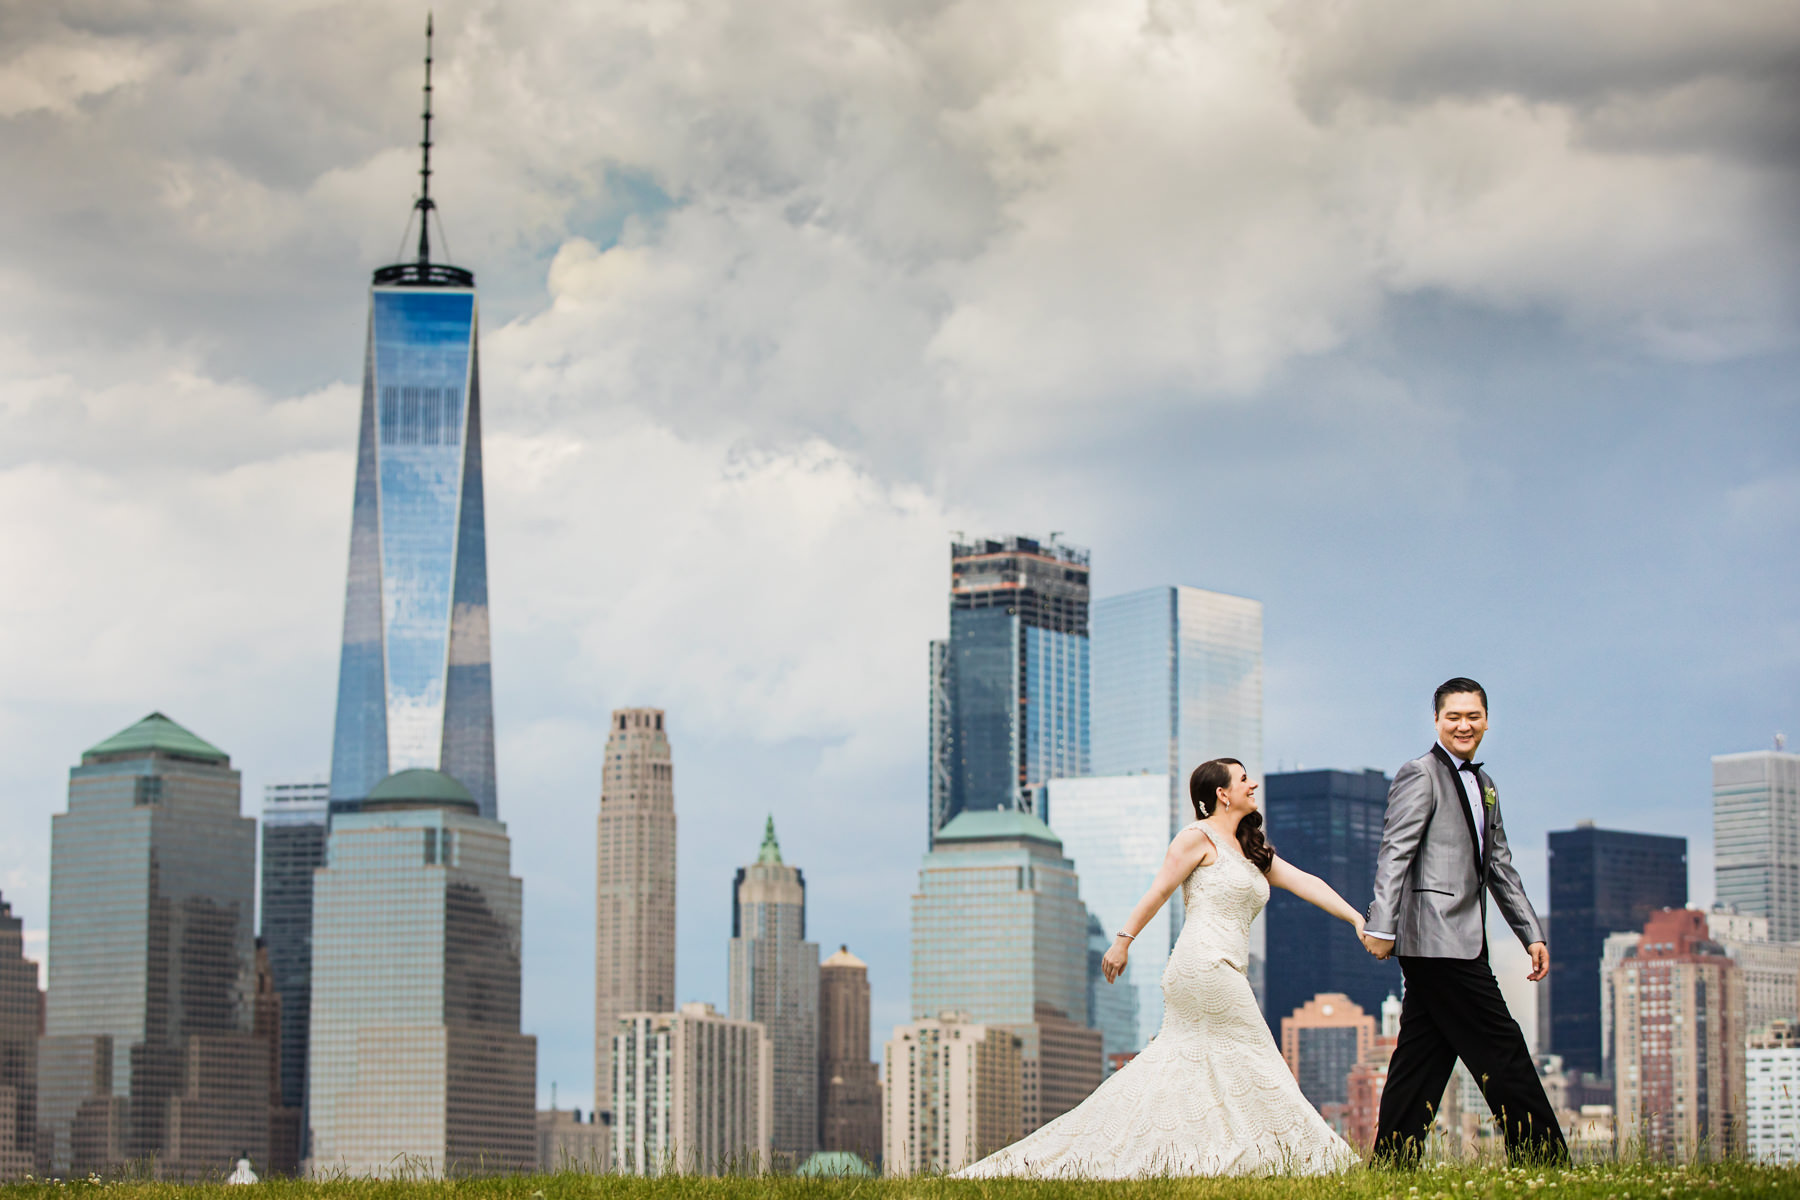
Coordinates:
<point>425,205</point>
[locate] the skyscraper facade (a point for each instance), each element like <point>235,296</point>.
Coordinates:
<point>1009,686</point>
<point>952,1094</point>
<point>1178,680</point>
<point>999,932</point>
<point>1681,1039</point>
<point>1769,972</point>
<point>414,683</point>
<point>1602,882</point>
<point>693,1093</point>
<point>1114,828</point>
<point>1112,1007</point>
<point>1328,823</point>
<point>293,847</point>
<point>150,1051</point>
<point>849,1089</point>
<point>18,1050</point>
<point>774,980</point>
<point>1756,837</point>
<point>634,902</point>
<point>1321,1041</point>
<point>416,1059</point>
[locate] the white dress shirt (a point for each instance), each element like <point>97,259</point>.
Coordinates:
<point>1471,790</point>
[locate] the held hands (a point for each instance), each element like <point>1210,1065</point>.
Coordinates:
<point>1540,961</point>
<point>1379,947</point>
<point>1112,963</point>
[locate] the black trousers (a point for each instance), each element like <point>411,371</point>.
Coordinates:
<point>1453,1009</point>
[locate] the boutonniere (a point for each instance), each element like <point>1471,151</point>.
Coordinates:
<point>1489,798</point>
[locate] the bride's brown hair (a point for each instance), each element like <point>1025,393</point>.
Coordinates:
<point>1203,789</point>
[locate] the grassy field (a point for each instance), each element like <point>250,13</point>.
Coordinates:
<point>1625,1181</point>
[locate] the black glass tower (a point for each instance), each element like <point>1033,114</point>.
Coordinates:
<point>1328,823</point>
<point>293,847</point>
<point>1602,881</point>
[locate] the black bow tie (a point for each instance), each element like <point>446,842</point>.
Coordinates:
<point>1474,767</point>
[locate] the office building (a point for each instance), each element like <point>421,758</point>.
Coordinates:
<point>1112,1007</point>
<point>414,680</point>
<point>1115,830</point>
<point>1769,971</point>
<point>150,1050</point>
<point>1321,1041</point>
<point>417,1065</point>
<point>293,847</point>
<point>849,1087</point>
<point>1368,1079</point>
<point>1772,1094</point>
<point>1602,882</point>
<point>999,933</point>
<point>1680,1047</point>
<point>566,1143</point>
<point>19,1013</point>
<point>692,1092</point>
<point>634,899</point>
<point>773,974</point>
<point>284,1121</point>
<point>1178,680</point>
<point>1328,823</point>
<point>1613,951</point>
<point>1010,684</point>
<point>952,1094</point>
<point>1756,837</point>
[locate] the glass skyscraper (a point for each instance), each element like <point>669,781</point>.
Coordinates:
<point>19,1000</point>
<point>1009,694</point>
<point>293,846</point>
<point>1178,680</point>
<point>1602,882</point>
<point>1756,837</point>
<point>1115,830</point>
<point>416,1062</point>
<point>149,1050</point>
<point>1328,823</point>
<point>414,685</point>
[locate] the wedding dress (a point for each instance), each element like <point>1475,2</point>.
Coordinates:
<point>1210,1094</point>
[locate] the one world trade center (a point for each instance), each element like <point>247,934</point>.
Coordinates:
<point>414,684</point>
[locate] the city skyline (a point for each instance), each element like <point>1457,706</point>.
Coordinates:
<point>768,398</point>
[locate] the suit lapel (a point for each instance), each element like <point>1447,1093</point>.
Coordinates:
<point>1487,823</point>
<point>1447,768</point>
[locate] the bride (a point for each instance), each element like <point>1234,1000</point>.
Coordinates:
<point>1210,1094</point>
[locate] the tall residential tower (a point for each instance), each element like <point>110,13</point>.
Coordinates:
<point>634,901</point>
<point>414,686</point>
<point>1009,688</point>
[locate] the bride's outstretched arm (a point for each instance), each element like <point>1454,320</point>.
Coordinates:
<point>1190,848</point>
<point>1314,891</point>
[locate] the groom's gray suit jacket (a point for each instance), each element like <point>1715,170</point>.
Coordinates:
<point>1431,882</point>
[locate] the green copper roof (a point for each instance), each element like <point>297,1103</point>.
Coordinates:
<point>840,1163</point>
<point>771,849</point>
<point>996,825</point>
<point>418,785</point>
<point>157,732</point>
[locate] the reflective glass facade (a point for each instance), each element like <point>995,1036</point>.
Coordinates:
<point>1756,837</point>
<point>293,846</point>
<point>1602,882</point>
<point>1327,823</point>
<point>1177,681</point>
<point>415,1045</point>
<point>414,683</point>
<point>1009,686</point>
<point>1115,830</point>
<point>150,1051</point>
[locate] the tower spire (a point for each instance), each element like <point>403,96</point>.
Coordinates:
<point>424,204</point>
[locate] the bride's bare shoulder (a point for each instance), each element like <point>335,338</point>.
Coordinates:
<point>1192,840</point>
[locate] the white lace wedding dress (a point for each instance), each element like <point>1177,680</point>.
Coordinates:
<point>1210,1094</point>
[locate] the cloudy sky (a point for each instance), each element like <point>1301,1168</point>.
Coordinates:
<point>1464,338</point>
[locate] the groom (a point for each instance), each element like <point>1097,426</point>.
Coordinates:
<point>1443,852</point>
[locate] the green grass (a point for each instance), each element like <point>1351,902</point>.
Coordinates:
<point>1620,1181</point>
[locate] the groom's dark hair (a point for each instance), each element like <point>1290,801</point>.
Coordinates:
<point>1456,687</point>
